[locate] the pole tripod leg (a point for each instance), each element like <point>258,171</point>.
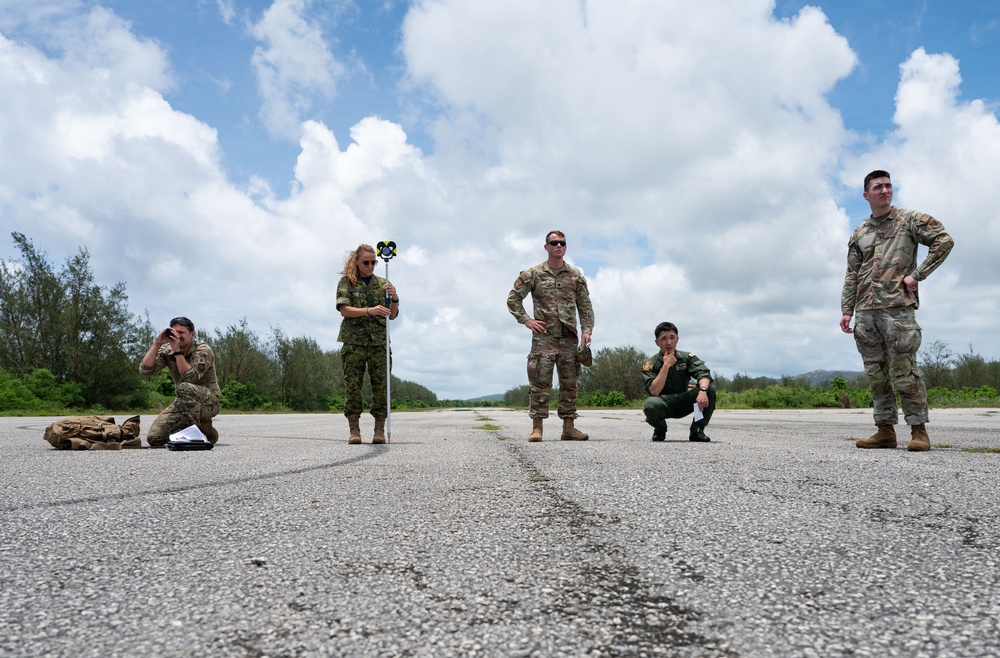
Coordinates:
<point>388,372</point>
<point>387,250</point>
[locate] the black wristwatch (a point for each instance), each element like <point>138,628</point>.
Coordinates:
<point>178,353</point>
<point>703,388</point>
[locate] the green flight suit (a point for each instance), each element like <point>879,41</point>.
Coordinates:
<point>677,399</point>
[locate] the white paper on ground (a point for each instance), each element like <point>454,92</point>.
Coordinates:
<point>190,433</point>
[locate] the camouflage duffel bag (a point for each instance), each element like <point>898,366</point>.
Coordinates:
<point>93,433</point>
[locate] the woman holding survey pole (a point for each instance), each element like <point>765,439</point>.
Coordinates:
<point>366,303</point>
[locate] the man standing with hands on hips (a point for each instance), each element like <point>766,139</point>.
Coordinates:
<point>558,290</point>
<point>881,287</point>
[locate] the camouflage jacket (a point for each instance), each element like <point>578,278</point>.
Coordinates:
<point>366,330</point>
<point>556,295</point>
<point>880,254</point>
<point>688,367</point>
<point>201,358</point>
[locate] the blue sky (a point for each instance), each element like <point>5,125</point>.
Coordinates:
<point>212,52</point>
<point>883,34</point>
<point>703,158</point>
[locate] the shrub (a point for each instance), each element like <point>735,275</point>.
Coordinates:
<point>237,395</point>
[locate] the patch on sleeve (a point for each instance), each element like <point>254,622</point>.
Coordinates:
<point>647,366</point>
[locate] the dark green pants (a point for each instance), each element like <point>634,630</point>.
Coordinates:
<point>677,405</point>
<point>355,358</point>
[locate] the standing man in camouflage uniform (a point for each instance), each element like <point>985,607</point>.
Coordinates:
<point>667,377</point>
<point>557,291</point>
<point>881,286</point>
<point>361,298</point>
<point>192,367</point>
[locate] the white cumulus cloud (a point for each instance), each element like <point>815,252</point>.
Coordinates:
<point>294,66</point>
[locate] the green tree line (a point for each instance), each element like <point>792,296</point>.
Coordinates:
<point>60,321</point>
<point>962,380</point>
<point>67,343</point>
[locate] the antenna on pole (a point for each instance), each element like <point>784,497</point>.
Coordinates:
<point>386,251</point>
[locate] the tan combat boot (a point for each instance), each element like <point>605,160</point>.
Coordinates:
<point>885,437</point>
<point>536,430</point>
<point>919,441</point>
<point>354,422</point>
<point>379,430</point>
<point>570,433</point>
<point>209,431</point>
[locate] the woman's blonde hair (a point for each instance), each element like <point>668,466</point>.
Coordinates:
<point>351,262</point>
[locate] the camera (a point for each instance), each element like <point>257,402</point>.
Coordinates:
<point>170,333</point>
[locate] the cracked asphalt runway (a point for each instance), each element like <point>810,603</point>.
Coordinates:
<point>778,538</point>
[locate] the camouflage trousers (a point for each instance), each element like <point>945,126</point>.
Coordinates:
<point>354,359</point>
<point>888,340</point>
<point>192,405</point>
<point>678,405</point>
<point>550,353</point>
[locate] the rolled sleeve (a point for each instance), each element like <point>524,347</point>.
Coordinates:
<point>515,299</point>
<point>159,364</point>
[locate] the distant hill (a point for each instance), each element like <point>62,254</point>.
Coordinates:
<point>816,377</point>
<point>496,397</point>
<point>813,378</point>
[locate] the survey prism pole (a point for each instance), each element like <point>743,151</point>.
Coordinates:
<point>386,251</point>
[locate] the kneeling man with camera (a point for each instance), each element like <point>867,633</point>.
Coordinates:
<point>192,367</point>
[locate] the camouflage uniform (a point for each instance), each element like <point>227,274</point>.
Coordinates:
<point>364,345</point>
<point>879,255</point>
<point>556,296</point>
<point>197,391</point>
<point>677,399</point>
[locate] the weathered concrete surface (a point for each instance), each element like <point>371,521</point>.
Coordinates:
<point>779,538</point>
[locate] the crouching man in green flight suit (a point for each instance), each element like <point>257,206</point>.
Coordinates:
<point>667,377</point>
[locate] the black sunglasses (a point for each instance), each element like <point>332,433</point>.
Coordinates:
<point>369,262</point>
<point>557,243</point>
